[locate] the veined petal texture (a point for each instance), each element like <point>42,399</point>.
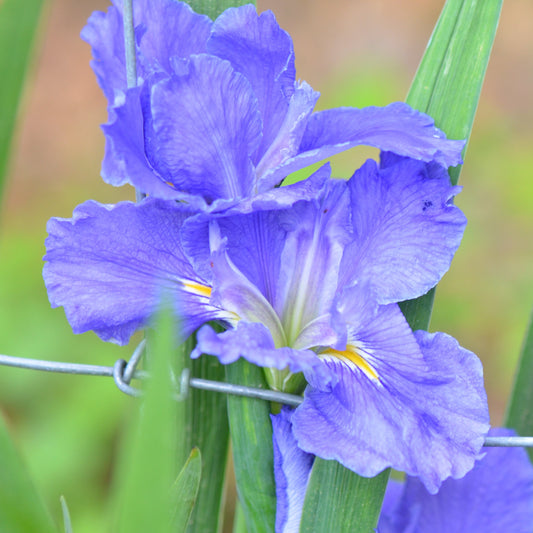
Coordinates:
<point>225,106</point>
<point>108,267</point>
<point>415,403</point>
<point>163,30</point>
<point>495,496</point>
<point>200,140</point>
<point>406,229</point>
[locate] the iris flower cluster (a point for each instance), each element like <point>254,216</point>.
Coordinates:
<point>306,278</point>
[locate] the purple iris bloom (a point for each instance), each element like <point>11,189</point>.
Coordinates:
<point>218,114</point>
<point>306,292</point>
<point>495,497</point>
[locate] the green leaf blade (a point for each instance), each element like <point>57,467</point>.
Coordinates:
<point>210,433</point>
<point>144,488</point>
<point>519,414</point>
<point>185,491</point>
<point>253,453</point>
<point>339,500</point>
<point>21,507</point>
<point>448,81</point>
<point>18,28</point>
<point>447,86</point>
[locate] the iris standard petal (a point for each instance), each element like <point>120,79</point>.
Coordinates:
<point>163,30</point>
<point>198,139</point>
<point>108,265</point>
<point>288,137</point>
<point>420,409</point>
<point>496,496</point>
<point>124,159</point>
<point>260,50</point>
<point>397,128</point>
<point>104,32</point>
<point>167,30</point>
<point>406,229</point>
<point>292,467</point>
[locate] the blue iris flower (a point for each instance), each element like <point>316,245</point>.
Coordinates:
<point>310,293</point>
<point>306,278</point>
<point>496,496</point>
<point>218,114</point>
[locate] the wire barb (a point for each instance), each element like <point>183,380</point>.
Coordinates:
<point>118,375</point>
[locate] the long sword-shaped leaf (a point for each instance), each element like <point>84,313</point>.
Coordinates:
<point>519,414</point>
<point>150,466</point>
<point>333,507</point>
<point>448,81</point>
<point>21,507</point>
<point>253,455</point>
<point>18,26</point>
<point>210,433</point>
<point>213,8</point>
<point>447,86</point>
<point>185,491</point>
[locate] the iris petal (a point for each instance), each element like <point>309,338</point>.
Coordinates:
<point>426,415</point>
<point>201,140</point>
<point>396,128</point>
<point>108,265</point>
<point>260,50</point>
<point>406,230</point>
<point>292,467</point>
<point>496,496</point>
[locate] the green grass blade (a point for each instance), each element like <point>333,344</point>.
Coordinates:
<point>210,433</point>
<point>21,507</point>
<point>144,487</point>
<point>213,8</point>
<point>332,505</point>
<point>185,490</point>
<point>18,27</point>
<point>448,82</point>
<point>447,86</point>
<point>519,414</point>
<point>253,456</point>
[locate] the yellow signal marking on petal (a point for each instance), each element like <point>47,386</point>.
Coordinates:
<point>353,356</point>
<point>198,288</point>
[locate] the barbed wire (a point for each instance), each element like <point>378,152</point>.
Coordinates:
<point>123,372</point>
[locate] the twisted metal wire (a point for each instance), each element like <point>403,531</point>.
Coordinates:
<point>123,372</point>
